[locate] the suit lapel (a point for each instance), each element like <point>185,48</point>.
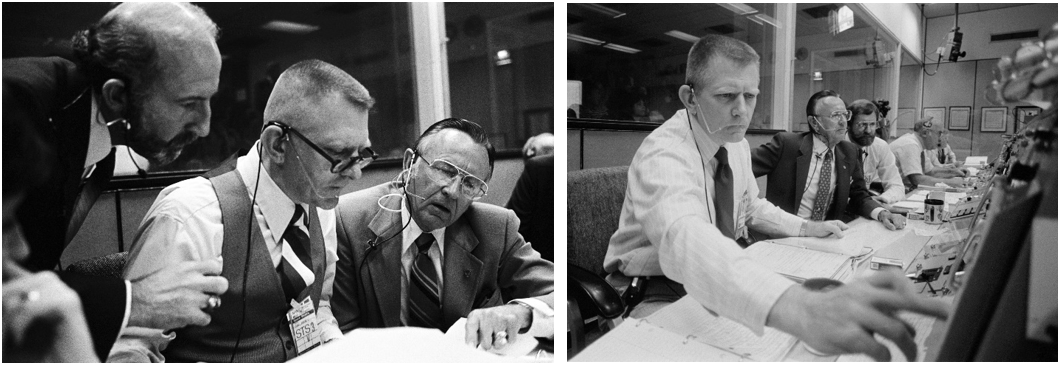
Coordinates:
<point>806,152</point>
<point>461,272</point>
<point>385,271</point>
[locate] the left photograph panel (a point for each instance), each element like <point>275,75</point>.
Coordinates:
<point>273,182</point>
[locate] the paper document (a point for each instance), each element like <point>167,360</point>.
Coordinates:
<point>523,345</point>
<point>797,263</point>
<point>975,161</point>
<point>861,232</point>
<point>637,340</point>
<point>688,317</point>
<point>398,344</point>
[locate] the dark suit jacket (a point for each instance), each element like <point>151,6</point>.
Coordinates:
<point>786,159</point>
<point>53,95</point>
<point>486,263</point>
<point>532,200</point>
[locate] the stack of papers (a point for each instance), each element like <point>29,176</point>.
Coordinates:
<point>687,317</point>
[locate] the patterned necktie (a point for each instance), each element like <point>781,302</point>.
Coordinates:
<point>821,201</point>
<point>290,280</point>
<point>424,304</point>
<point>724,194</point>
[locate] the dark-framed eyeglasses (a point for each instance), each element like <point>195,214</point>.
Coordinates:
<point>443,172</point>
<point>871,125</point>
<point>361,159</point>
<point>838,115</point>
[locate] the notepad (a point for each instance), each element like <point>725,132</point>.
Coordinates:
<point>798,263</point>
<point>688,317</point>
<point>637,340</point>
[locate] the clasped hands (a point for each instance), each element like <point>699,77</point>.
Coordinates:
<point>496,327</point>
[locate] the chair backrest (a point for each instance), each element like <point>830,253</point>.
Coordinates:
<point>594,201</point>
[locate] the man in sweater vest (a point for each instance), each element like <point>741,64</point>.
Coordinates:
<point>268,216</point>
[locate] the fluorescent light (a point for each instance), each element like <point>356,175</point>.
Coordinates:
<point>583,39</point>
<point>603,10</point>
<point>612,46</point>
<point>683,36</point>
<point>503,58</point>
<point>754,19</point>
<point>817,76</point>
<point>739,8</point>
<point>764,18</point>
<point>289,27</point>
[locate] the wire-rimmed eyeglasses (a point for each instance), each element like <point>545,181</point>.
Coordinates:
<point>361,159</point>
<point>443,172</point>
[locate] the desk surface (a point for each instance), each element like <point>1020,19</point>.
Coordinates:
<point>905,244</point>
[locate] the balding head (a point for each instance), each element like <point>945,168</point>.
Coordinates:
<point>133,41</point>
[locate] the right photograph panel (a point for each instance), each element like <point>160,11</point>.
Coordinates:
<point>781,182</point>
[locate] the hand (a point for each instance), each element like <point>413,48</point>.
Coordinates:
<point>43,321</point>
<point>891,221</point>
<point>843,320</point>
<point>174,296</point>
<point>826,229</point>
<point>485,324</point>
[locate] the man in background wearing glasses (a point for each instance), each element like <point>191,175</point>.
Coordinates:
<point>421,252</point>
<point>878,163</point>
<point>817,175</point>
<point>268,216</point>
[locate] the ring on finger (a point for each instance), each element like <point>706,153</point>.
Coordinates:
<point>501,335</point>
<point>213,302</point>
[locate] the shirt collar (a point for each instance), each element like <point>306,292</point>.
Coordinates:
<point>99,137</point>
<point>274,204</point>
<point>819,145</point>
<point>413,230</point>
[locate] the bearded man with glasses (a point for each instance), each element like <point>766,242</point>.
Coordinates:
<point>421,252</point>
<point>817,175</point>
<point>878,162</point>
<point>269,217</point>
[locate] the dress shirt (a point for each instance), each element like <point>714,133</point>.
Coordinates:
<point>907,150</point>
<point>667,224</point>
<point>879,166</point>
<point>542,314</point>
<point>184,223</point>
<point>99,147</point>
<point>810,188</point>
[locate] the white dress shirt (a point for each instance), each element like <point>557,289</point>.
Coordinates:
<point>667,224</point>
<point>810,188</point>
<point>184,223</point>
<point>907,150</point>
<point>542,314</point>
<point>879,166</point>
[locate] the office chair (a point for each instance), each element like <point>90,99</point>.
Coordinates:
<point>595,199</point>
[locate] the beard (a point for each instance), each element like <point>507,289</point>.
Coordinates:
<point>157,151</point>
<point>864,140</point>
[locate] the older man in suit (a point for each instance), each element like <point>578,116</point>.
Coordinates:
<point>817,175</point>
<point>421,252</point>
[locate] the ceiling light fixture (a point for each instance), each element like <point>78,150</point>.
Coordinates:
<point>583,39</point>
<point>683,36</point>
<point>289,27</point>
<point>620,48</point>
<point>764,18</point>
<point>739,8</point>
<point>603,10</point>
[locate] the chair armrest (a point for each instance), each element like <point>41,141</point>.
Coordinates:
<point>594,295</point>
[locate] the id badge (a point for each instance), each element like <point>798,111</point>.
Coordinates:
<point>302,319</point>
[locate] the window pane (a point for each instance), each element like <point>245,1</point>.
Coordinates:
<point>639,80</point>
<point>857,63</point>
<point>501,68</point>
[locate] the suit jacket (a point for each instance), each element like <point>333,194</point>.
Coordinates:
<point>532,200</point>
<point>486,262</point>
<point>786,159</point>
<point>55,97</point>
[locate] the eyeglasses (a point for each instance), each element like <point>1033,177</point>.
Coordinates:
<point>871,125</point>
<point>838,115</point>
<point>443,173</point>
<point>362,159</point>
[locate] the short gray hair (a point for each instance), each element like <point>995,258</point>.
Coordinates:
<point>714,46</point>
<point>312,80</point>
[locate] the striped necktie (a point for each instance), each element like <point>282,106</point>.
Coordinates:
<point>821,201</point>
<point>424,304</point>
<point>295,263</point>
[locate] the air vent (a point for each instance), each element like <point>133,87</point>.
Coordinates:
<point>724,29</point>
<point>849,53</point>
<point>819,12</point>
<point>1014,36</point>
<point>652,42</point>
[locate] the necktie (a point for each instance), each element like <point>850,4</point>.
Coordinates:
<point>862,157</point>
<point>724,194</point>
<point>942,156</point>
<point>290,280</point>
<point>424,304</point>
<point>821,201</point>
